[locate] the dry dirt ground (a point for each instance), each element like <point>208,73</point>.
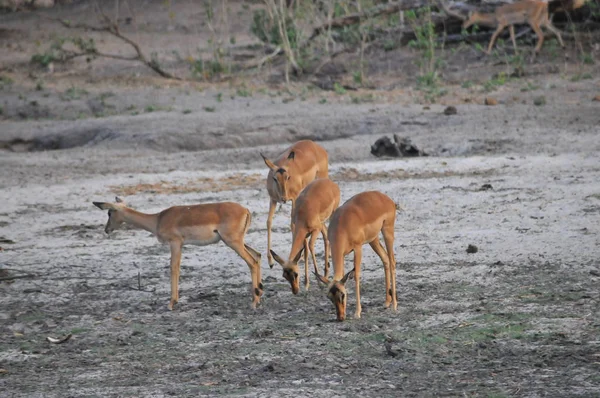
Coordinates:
<point>519,318</point>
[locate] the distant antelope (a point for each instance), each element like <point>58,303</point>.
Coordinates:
<point>294,169</point>
<point>314,206</point>
<point>356,222</point>
<point>201,225</point>
<point>533,12</point>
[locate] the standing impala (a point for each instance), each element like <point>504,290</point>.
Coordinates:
<point>314,206</point>
<point>356,222</point>
<point>201,225</point>
<point>294,169</point>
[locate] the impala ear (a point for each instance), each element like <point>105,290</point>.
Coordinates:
<point>108,206</point>
<point>101,205</point>
<point>349,275</point>
<point>277,258</point>
<point>321,279</point>
<point>269,164</point>
<point>297,258</point>
<point>119,200</point>
<point>292,155</point>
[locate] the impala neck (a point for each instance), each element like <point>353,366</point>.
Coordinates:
<point>149,222</point>
<point>484,19</point>
<point>337,257</point>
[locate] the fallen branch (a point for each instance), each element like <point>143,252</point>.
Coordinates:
<point>259,63</point>
<point>112,27</point>
<point>10,278</point>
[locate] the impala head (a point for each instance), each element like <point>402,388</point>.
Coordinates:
<point>290,270</point>
<point>336,292</point>
<point>472,18</point>
<point>281,176</point>
<point>115,213</point>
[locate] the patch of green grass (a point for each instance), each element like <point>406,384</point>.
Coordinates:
<point>150,108</point>
<point>73,93</point>
<point>219,97</point>
<point>587,58</point>
<point>243,92</point>
<point>529,87</point>
<point>467,84</point>
<point>362,98</point>
<point>323,101</point>
<point>581,76</point>
<point>495,82</point>
<point>339,89</point>
<point>5,81</point>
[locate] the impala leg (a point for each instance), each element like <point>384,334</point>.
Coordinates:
<point>239,247</point>
<point>257,257</point>
<point>511,29</point>
<point>306,252</point>
<point>175,265</point>
<point>552,29</point>
<point>313,239</point>
<point>292,214</point>
<point>327,248</point>
<point>380,251</point>
<point>272,206</point>
<point>357,261</point>
<point>540,35</point>
<point>494,37</point>
<point>388,237</point>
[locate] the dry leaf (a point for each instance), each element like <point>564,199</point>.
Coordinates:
<point>59,341</point>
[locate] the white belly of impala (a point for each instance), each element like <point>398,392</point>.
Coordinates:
<point>200,236</point>
<point>197,242</point>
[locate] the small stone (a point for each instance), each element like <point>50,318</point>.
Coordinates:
<point>472,249</point>
<point>450,110</point>
<point>539,101</point>
<point>491,101</point>
<point>486,187</point>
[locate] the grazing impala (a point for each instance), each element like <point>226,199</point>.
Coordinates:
<point>294,169</point>
<point>533,12</point>
<point>314,206</point>
<point>196,225</point>
<point>356,222</point>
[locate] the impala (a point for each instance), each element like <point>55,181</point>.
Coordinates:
<point>356,222</point>
<point>293,170</point>
<point>314,206</point>
<point>533,12</point>
<point>201,225</point>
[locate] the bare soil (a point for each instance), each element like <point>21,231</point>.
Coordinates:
<point>519,181</point>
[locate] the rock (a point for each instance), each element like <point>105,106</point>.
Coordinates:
<point>539,101</point>
<point>450,110</point>
<point>486,187</point>
<point>472,249</point>
<point>490,101</point>
<point>401,147</point>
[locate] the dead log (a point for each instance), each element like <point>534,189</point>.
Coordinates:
<point>111,26</point>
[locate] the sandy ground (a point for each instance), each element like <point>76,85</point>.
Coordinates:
<point>518,318</point>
